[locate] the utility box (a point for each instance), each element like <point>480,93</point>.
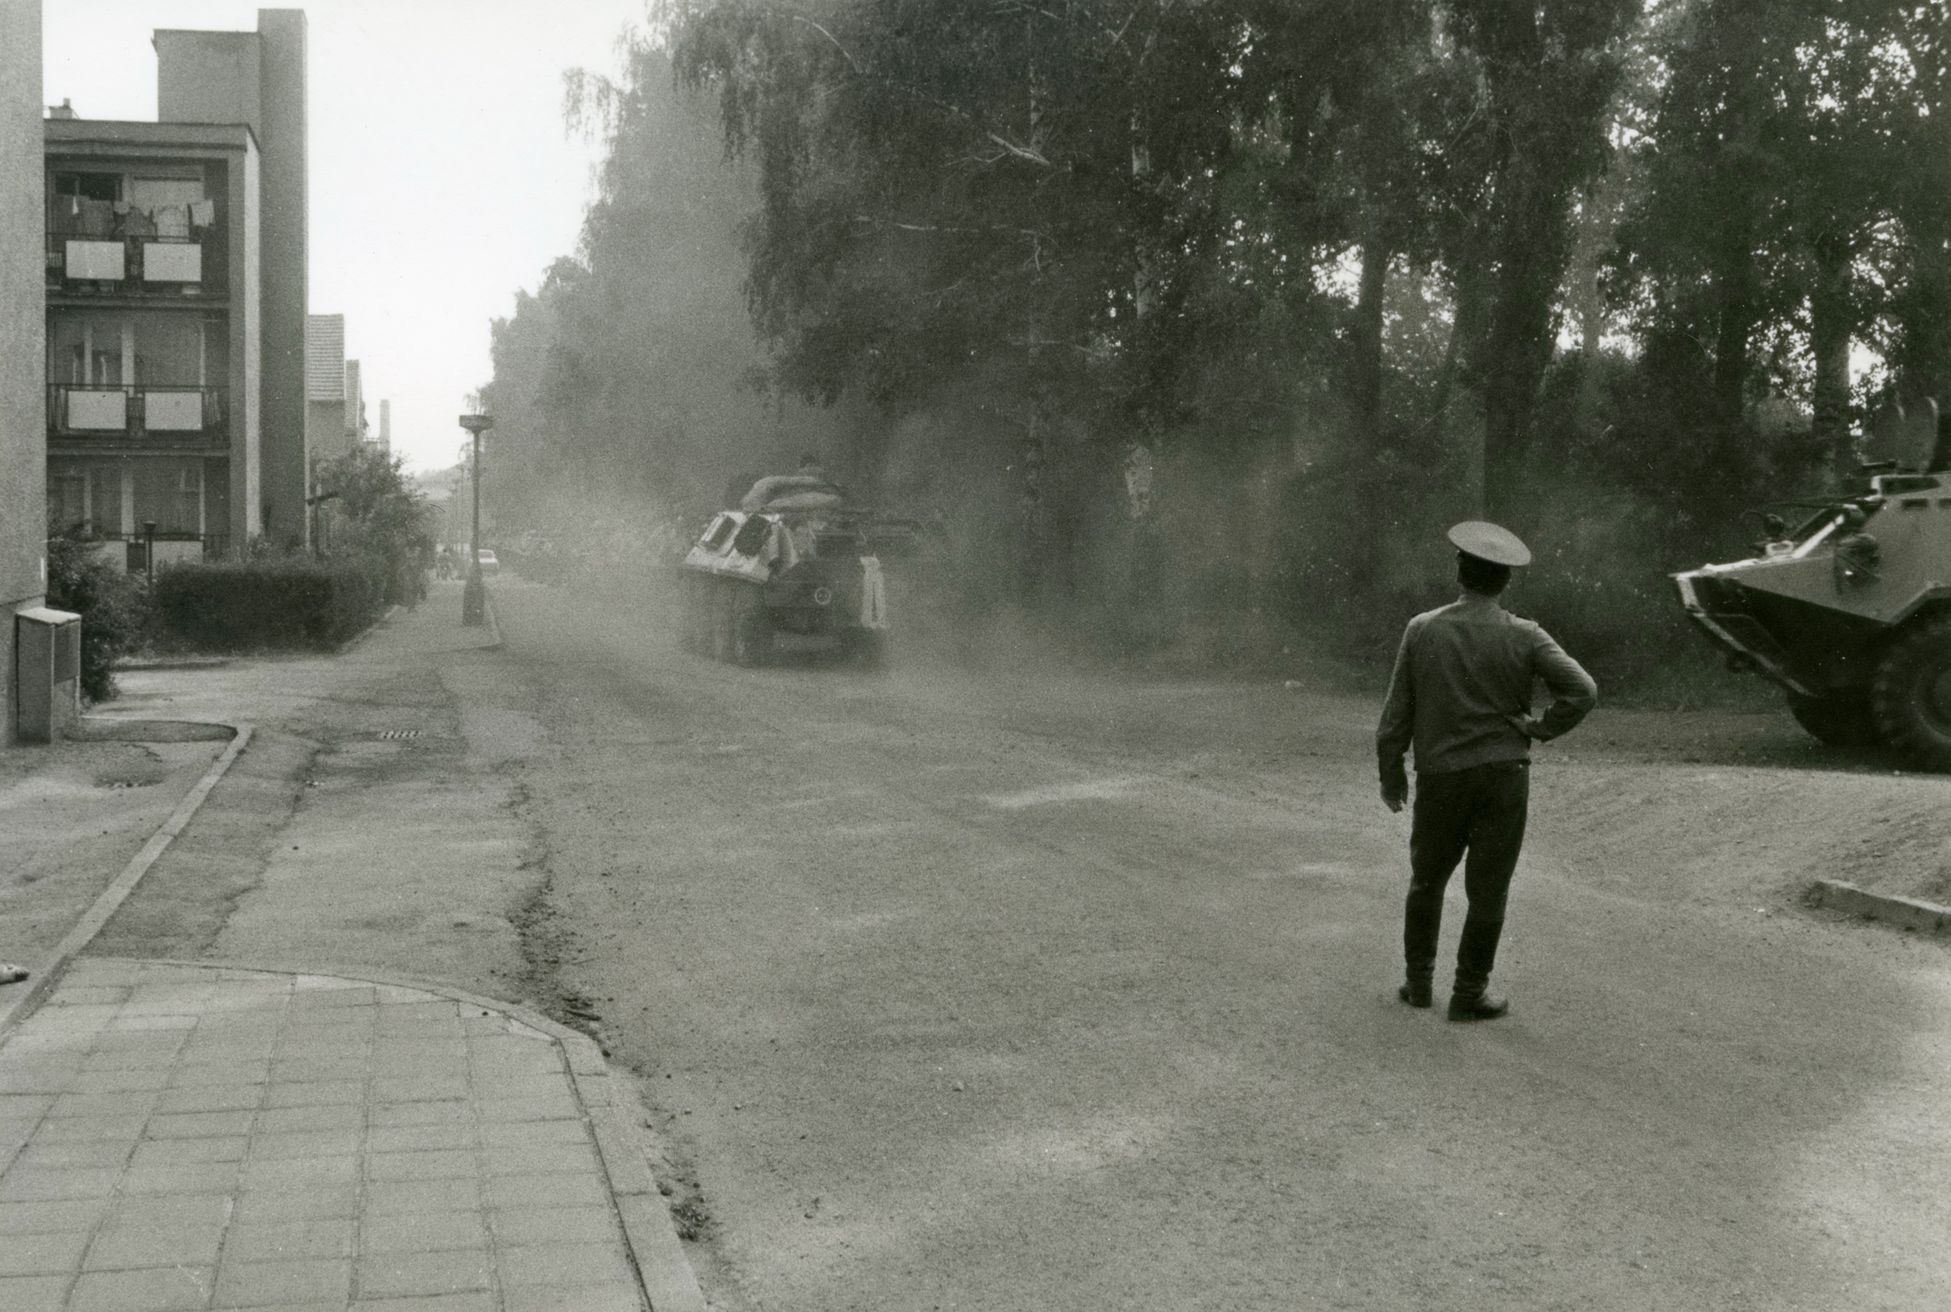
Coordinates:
<point>47,672</point>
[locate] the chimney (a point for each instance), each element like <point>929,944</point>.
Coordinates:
<point>386,425</point>
<point>65,109</point>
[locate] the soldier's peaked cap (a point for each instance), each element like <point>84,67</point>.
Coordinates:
<point>1491,542</point>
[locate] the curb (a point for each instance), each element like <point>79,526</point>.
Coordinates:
<point>114,729</point>
<point>384,618</point>
<point>663,1271</point>
<point>172,663</point>
<point>83,933</point>
<point>1905,912</point>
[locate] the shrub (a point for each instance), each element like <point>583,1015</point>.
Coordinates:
<point>272,602</point>
<point>378,516</point>
<point>114,609</point>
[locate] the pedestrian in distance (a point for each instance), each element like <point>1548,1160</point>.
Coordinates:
<point>1460,695</point>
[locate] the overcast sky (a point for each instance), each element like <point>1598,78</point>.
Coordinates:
<point>442,178</point>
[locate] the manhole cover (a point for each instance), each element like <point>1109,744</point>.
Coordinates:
<point>399,733</point>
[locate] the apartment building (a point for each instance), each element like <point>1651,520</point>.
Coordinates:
<point>175,258</point>
<point>23,430</point>
<point>325,388</point>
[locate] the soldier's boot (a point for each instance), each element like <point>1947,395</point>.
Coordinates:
<point>1477,1006</point>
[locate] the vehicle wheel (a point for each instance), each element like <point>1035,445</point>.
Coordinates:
<point>691,617</point>
<point>869,649</point>
<point>751,635</point>
<point>702,615</point>
<point>687,615</point>
<point>724,616</point>
<point>1838,720</point>
<point>1911,697</point>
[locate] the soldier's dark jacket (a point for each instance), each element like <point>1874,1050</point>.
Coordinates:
<point>1461,690</point>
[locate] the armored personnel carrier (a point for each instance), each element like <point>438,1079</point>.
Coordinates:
<point>1849,613</point>
<point>793,568</point>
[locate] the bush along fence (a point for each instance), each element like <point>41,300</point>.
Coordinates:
<point>113,607</point>
<point>273,603</point>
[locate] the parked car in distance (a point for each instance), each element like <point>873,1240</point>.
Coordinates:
<point>489,565</point>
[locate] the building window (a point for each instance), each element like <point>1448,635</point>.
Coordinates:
<point>84,497</point>
<point>189,497</point>
<point>67,500</point>
<point>155,193</point>
<point>89,186</point>
<point>83,204</point>
<point>169,492</point>
<point>105,499</point>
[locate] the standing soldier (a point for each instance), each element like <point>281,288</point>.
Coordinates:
<point>1461,694</point>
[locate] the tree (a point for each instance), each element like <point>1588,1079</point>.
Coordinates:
<point>1774,227</point>
<point>1549,71</point>
<point>1915,72</point>
<point>1306,264</point>
<point>627,384</point>
<point>379,516</point>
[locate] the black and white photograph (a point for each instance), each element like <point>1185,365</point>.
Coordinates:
<point>975,655</point>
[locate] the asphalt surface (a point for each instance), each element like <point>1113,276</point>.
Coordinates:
<point>1019,990</point>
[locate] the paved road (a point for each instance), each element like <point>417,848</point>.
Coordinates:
<point>999,992</point>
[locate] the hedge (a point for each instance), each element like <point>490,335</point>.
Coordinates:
<point>113,606</point>
<point>255,604</point>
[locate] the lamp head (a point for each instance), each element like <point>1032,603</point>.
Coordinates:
<point>477,424</point>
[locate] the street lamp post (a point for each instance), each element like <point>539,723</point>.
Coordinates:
<point>474,594</point>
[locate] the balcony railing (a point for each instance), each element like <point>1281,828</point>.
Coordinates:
<point>148,411</point>
<point>163,268</point>
<point>132,550</point>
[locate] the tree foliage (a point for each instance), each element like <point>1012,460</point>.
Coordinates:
<point>378,518</point>
<point>631,376</point>
<point>113,604</point>
<point>1257,291</point>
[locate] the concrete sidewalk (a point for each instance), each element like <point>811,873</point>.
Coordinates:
<point>211,1133</point>
<point>186,1136</point>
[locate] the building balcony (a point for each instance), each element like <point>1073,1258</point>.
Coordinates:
<point>144,267</point>
<point>157,414</point>
<point>143,551</point>
<point>135,553</point>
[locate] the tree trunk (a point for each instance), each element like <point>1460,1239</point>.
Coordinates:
<point>1591,313</point>
<point>1735,316</point>
<point>1928,327</point>
<point>1830,320</point>
<point>1530,259</point>
<point>1365,406</point>
<point>1925,358</point>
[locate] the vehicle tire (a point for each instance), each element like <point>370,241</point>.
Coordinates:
<point>702,614</point>
<point>687,615</point>
<point>1838,720</point>
<point>869,649</point>
<point>751,634</point>
<point>696,617</point>
<point>1911,695</point>
<point>724,615</point>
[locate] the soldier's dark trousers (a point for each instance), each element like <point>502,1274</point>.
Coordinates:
<point>1479,811</point>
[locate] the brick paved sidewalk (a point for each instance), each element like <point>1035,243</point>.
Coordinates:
<point>181,1137</point>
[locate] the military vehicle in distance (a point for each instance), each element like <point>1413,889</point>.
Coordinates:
<point>794,567</point>
<point>1850,613</point>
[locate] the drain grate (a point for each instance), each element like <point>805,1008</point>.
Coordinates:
<point>395,734</point>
